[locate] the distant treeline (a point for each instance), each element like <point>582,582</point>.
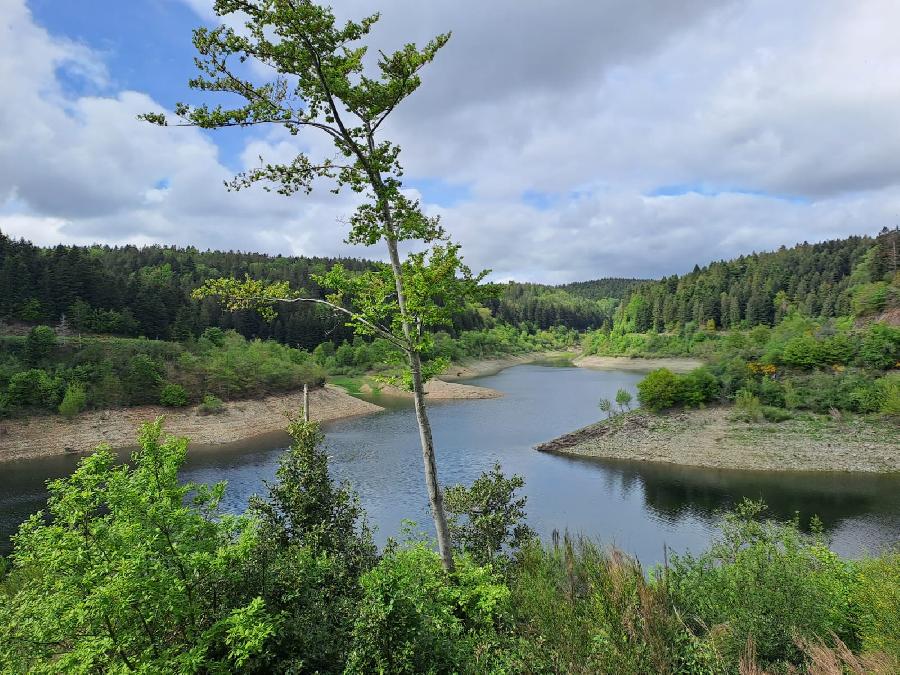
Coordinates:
<point>145,291</point>
<point>832,278</point>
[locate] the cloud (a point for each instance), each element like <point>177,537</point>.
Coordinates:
<point>548,137</point>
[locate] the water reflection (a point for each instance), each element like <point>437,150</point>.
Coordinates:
<point>637,506</point>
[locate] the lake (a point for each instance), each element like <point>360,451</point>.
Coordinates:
<point>637,506</point>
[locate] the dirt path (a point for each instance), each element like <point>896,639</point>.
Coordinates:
<point>49,435</point>
<point>711,438</point>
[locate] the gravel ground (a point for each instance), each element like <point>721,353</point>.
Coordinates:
<point>711,438</point>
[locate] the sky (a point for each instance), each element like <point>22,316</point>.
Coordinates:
<point>558,141</point>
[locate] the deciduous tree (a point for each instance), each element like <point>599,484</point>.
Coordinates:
<point>321,83</point>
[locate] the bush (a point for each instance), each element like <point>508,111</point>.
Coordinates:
<point>173,396</point>
<point>891,404</point>
<point>142,379</point>
<point>768,583</point>
<point>697,387</point>
<point>32,388</point>
<point>73,401</point>
<point>414,619</point>
<point>801,352</point>
<point>39,344</point>
<point>773,414</point>
<point>211,405</point>
<point>487,519</point>
<point>659,390</point>
<point>881,347</point>
<point>747,406</point>
<point>876,603</point>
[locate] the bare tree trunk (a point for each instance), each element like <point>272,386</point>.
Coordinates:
<point>305,403</point>
<point>435,496</point>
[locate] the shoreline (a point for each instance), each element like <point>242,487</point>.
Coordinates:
<point>709,438</point>
<point>240,420</point>
<point>675,364</point>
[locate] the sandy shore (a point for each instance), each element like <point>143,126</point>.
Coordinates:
<point>49,435</point>
<point>482,367</point>
<point>440,390</point>
<point>676,365</point>
<point>710,438</point>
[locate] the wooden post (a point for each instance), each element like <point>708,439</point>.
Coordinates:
<point>305,403</point>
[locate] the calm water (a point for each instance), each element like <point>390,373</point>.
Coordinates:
<point>637,506</point>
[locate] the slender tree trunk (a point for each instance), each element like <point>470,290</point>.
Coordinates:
<point>305,403</point>
<point>435,495</point>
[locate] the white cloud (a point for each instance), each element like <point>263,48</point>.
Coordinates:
<point>784,115</point>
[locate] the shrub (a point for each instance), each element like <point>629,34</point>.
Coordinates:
<point>659,390</point>
<point>890,386</point>
<point>73,401</point>
<point>773,414</point>
<point>623,399</point>
<point>486,519</point>
<point>173,396</point>
<point>768,583</point>
<point>143,378</point>
<point>211,405</point>
<point>876,603</point>
<point>39,344</point>
<point>881,347</point>
<point>32,388</point>
<point>801,352</point>
<point>414,619</point>
<point>697,387</point>
<point>747,406</point>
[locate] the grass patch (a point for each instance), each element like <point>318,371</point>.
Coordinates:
<point>352,384</point>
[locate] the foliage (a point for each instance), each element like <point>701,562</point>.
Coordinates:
<point>663,389</point>
<point>487,520</point>
<point>313,546</point>
<point>415,618</point>
<point>73,401</point>
<point>876,603</point>
<point>173,396</point>
<point>130,573</point>
<point>39,344</point>
<point>580,609</point>
<point>747,406</point>
<point>659,390</point>
<point>131,570</point>
<point>606,406</point>
<point>211,405</point>
<point>764,582</point>
<point>623,399</point>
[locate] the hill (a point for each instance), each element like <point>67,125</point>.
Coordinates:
<point>856,275</point>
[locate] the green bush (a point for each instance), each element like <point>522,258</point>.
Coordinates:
<point>747,406</point>
<point>173,396</point>
<point>765,582</point>
<point>39,344</point>
<point>73,401</point>
<point>142,379</point>
<point>659,390</point>
<point>697,387</point>
<point>876,603</point>
<point>890,387</point>
<point>881,347</point>
<point>801,352</point>
<point>773,414</point>
<point>32,388</point>
<point>211,405</point>
<point>414,619</point>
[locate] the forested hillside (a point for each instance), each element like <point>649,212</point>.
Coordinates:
<point>132,291</point>
<point>832,278</point>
